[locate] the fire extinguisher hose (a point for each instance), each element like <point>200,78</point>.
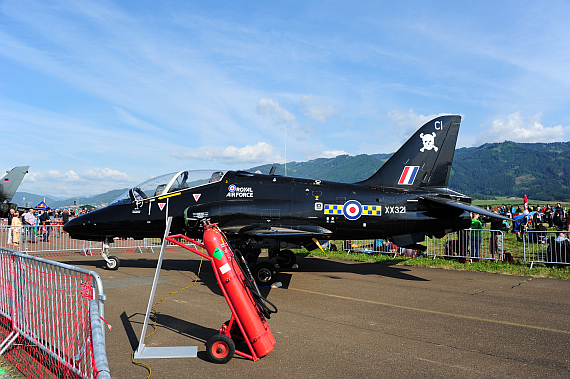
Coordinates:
<point>265,306</point>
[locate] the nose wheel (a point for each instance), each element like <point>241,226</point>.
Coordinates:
<point>112,262</point>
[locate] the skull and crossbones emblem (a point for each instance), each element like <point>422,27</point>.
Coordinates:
<point>428,140</point>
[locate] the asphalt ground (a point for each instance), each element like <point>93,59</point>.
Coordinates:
<point>345,319</point>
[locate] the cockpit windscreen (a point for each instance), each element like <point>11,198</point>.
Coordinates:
<point>169,183</point>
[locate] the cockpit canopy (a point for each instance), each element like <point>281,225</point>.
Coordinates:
<point>169,183</point>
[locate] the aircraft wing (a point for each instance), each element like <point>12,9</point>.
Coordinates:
<point>293,232</point>
<point>464,206</point>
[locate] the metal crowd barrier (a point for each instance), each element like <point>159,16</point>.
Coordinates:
<point>52,238</point>
<point>50,318</point>
<point>467,244</point>
<point>377,246</point>
<point>473,244</point>
<point>40,238</point>
<point>547,247</point>
<point>464,244</point>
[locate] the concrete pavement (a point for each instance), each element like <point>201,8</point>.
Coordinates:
<point>346,319</point>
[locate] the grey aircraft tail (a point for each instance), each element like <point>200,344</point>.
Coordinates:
<point>424,160</point>
<point>11,181</point>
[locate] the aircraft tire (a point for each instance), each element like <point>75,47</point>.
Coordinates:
<point>264,274</point>
<point>220,348</point>
<point>115,263</point>
<point>286,258</point>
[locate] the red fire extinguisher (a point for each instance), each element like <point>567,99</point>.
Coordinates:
<point>256,331</point>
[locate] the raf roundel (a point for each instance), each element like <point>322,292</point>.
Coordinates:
<point>352,210</point>
<point>232,188</point>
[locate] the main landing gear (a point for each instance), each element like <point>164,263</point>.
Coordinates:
<point>112,262</point>
<point>265,273</point>
<point>286,258</point>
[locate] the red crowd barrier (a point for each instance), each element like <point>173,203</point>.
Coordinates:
<point>45,321</point>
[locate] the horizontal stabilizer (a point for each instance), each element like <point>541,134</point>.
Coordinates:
<point>464,206</point>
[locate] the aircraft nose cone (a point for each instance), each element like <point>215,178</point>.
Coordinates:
<point>72,225</point>
<point>78,226</point>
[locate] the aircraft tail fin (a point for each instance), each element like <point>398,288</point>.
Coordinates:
<point>11,181</point>
<point>424,160</point>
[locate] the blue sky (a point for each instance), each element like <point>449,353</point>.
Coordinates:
<point>100,95</point>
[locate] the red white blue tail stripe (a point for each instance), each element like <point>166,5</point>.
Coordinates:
<point>408,175</point>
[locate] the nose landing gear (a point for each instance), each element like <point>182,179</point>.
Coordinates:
<point>111,261</point>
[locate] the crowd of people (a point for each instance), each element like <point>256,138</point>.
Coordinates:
<point>556,217</point>
<point>34,223</point>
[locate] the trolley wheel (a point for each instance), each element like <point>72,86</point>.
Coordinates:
<point>220,348</point>
<point>286,258</point>
<point>114,263</point>
<point>264,273</point>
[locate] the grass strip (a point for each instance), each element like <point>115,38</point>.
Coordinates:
<point>519,267</point>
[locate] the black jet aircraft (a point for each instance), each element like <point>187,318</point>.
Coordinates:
<point>8,186</point>
<point>406,200</point>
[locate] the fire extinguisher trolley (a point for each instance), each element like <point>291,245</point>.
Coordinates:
<point>249,309</point>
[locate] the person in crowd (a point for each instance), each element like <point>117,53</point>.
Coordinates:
<point>16,227</point>
<point>45,224</point>
<point>10,218</point>
<point>65,216</point>
<point>29,222</point>
<point>476,237</point>
<point>559,218</point>
<point>535,220</point>
<point>496,241</point>
<point>561,238</point>
<point>548,214</point>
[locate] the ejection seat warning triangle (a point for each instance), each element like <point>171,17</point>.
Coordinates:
<point>218,254</point>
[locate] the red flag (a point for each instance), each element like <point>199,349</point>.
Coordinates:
<point>525,203</point>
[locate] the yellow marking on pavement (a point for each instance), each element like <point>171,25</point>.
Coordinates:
<point>435,312</point>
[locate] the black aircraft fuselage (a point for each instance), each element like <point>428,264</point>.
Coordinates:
<point>406,200</point>
<point>278,207</point>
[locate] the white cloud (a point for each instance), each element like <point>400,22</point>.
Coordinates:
<point>315,153</point>
<point>333,153</point>
<point>515,128</point>
<point>315,110</point>
<point>105,174</point>
<point>95,174</point>
<point>271,108</point>
<point>411,121</point>
<point>261,152</point>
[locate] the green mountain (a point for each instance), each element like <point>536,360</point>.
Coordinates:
<point>32,200</point>
<point>29,199</point>
<point>343,168</point>
<point>539,170</point>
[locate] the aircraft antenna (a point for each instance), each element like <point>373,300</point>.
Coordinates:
<point>285,149</point>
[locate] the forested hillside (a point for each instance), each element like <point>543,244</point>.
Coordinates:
<point>539,170</point>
